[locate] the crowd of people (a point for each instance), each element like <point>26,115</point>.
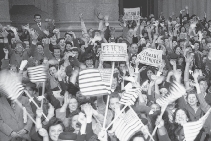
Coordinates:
<point>184,40</point>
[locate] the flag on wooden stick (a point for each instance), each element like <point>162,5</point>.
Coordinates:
<point>127,125</point>
<point>90,83</point>
<point>37,74</point>
<point>11,86</point>
<point>130,95</point>
<point>176,91</point>
<point>129,98</point>
<point>192,129</point>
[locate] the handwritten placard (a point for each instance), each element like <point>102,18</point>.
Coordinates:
<point>150,57</point>
<point>132,13</point>
<point>113,52</point>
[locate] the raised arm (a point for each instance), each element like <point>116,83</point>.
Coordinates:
<point>162,132</point>
<point>188,60</point>
<point>203,104</point>
<point>46,50</point>
<point>42,132</point>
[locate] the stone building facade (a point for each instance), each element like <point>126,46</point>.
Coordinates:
<point>66,12</point>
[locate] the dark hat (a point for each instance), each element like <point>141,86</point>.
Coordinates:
<point>67,136</point>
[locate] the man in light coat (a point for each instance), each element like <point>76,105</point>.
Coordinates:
<point>12,124</point>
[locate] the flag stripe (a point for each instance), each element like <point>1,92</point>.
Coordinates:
<point>91,79</point>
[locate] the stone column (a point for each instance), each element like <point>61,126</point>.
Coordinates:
<point>4,12</point>
<point>67,12</point>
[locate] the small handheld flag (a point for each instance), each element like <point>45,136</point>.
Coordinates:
<point>11,86</point>
<point>37,74</point>
<point>192,129</point>
<point>176,91</point>
<point>130,95</point>
<point>91,84</point>
<point>127,125</point>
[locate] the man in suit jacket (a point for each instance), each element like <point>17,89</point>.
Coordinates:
<point>40,27</point>
<point>12,124</point>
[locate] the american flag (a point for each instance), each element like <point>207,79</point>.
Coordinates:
<point>127,125</point>
<point>130,95</point>
<point>106,77</point>
<point>90,83</point>
<point>10,85</point>
<point>192,129</point>
<point>176,91</point>
<point>37,73</point>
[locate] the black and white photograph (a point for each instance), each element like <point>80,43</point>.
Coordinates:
<point>105,70</point>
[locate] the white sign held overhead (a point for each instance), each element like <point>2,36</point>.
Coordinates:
<point>132,13</point>
<point>113,52</point>
<point>150,57</point>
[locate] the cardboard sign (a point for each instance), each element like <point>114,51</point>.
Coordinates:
<point>150,57</point>
<point>132,13</point>
<point>113,52</point>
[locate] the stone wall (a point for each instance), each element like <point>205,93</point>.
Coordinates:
<point>4,12</point>
<point>66,14</point>
<point>69,10</point>
<point>197,7</point>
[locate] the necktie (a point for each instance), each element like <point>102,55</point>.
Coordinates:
<point>39,25</point>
